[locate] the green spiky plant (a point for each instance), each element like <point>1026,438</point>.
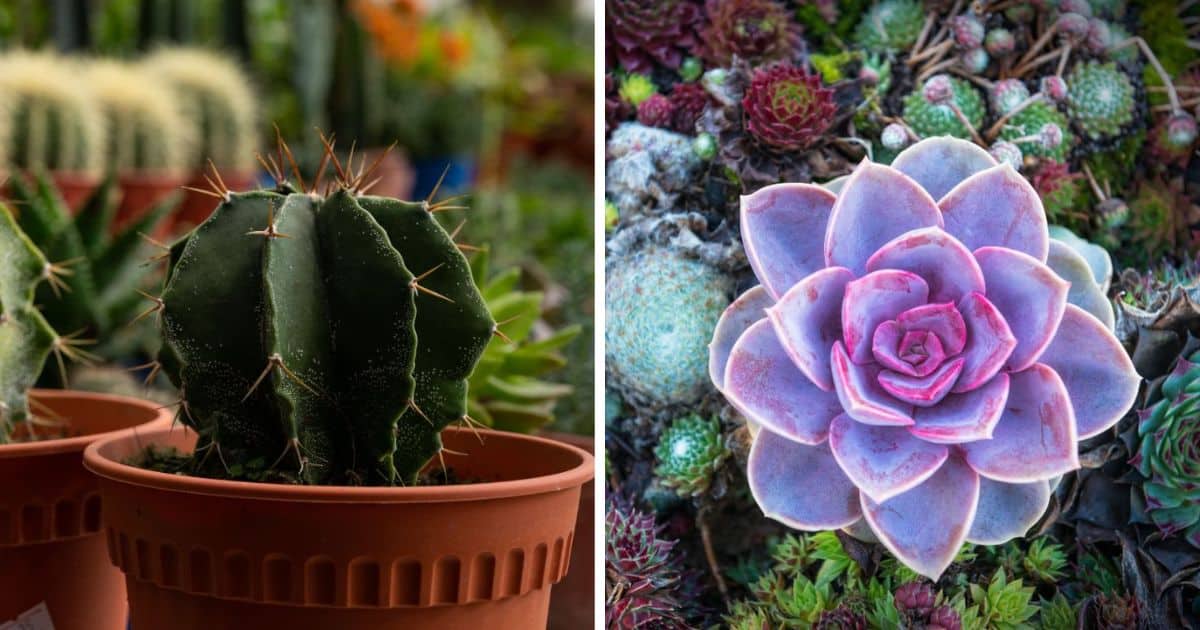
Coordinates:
<point>320,338</point>
<point>105,271</point>
<point>217,101</point>
<point>688,453</point>
<point>146,126</point>
<point>26,339</point>
<point>49,120</point>
<point>505,389</point>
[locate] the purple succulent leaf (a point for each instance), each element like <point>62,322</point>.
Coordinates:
<point>989,342</point>
<point>939,164</point>
<point>925,527</point>
<point>889,341</point>
<point>766,387</point>
<point>964,417</point>
<point>1035,438</point>
<point>1007,510</point>
<point>783,227</point>
<point>808,321</point>
<point>882,461</point>
<point>781,473</point>
<point>997,208</point>
<point>1085,293</point>
<point>923,391</point>
<point>860,394</point>
<point>943,320</point>
<point>1029,295</point>
<point>874,299</point>
<point>748,308</point>
<point>1099,375</point>
<point>876,204</point>
<point>945,264</point>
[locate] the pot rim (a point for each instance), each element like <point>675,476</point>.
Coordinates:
<point>74,444</point>
<point>148,177</point>
<point>98,459</point>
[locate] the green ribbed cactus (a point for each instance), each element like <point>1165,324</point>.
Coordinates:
<point>146,126</point>
<point>49,121</point>
<point>26,339</point>
<point>324,339</point>
<point>217,101</point>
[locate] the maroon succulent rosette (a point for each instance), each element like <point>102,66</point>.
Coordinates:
<point>645,33</point>
<point>786,108</point>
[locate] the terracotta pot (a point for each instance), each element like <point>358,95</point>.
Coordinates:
<point>196,207</point>
<point>140,191</point>
<point>204,553</point>
<point>51,550</point>
<point>573,601</point>
<point>75,187</point>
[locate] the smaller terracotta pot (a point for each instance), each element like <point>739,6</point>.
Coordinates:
<point>196,207</point>
<point>140,191</point>
<point>75,187</point>
<point>51,550</point>
<point>206,553</point>
<point>573,601</point>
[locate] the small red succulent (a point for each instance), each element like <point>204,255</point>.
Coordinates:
<point>785,107</point>
<point>643,34</point>
<point>757,31</point>
<point>656,111</point>
<point>689,100</point>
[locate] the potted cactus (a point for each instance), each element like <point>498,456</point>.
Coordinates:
<point>322,339</point>
<point>50,543</point>
<point>99,297</point>
<point>220,106</point>
<point>49,124</point>
<point>149,140</point>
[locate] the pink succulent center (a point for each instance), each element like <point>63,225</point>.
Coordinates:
<point>912,347</point>
<point>917,352</point>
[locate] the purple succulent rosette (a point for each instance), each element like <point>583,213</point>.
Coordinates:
<point>909,361</point>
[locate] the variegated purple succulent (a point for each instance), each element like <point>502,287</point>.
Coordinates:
<point>910,362</point>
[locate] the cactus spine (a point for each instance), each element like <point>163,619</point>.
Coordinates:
<point>146,125</point>
<point>48,119</point>
<point>218,101</point>
<point>26,340</point>
<point>106,271</point>
<point>327,338</point>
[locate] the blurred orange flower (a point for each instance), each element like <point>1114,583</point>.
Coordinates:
<point>394,26</point>
<point>455,48</point>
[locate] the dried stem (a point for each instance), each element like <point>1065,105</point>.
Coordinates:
<point>1162,73</point>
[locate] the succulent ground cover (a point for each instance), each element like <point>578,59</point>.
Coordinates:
<point>955,247</point>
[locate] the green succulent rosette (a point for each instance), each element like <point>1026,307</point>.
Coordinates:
<point>1169,453</point>
<point>1099,99</point>
<point>688,453</point>
<point>930,120</point>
